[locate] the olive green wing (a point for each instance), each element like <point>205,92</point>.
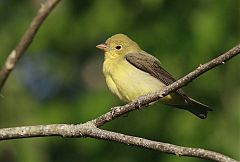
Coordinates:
<point>151,65</point>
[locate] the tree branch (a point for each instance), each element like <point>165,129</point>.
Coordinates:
<point>26,40</point>
<point>90,130</point>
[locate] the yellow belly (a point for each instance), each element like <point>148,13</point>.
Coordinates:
<point>128,82</point>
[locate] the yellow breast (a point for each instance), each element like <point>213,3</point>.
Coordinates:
<point>127,81</point>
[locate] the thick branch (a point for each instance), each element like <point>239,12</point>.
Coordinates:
<point>90,130</point>
<point>144,100</point>
<point>26,40</point>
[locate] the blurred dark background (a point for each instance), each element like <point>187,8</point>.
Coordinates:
<point>60,80</point>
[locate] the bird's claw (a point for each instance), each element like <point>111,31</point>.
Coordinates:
<point>138,104</point>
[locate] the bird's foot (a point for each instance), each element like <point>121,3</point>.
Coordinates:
<point>138,103</point>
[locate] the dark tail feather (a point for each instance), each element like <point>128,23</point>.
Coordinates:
<point>197,108</point>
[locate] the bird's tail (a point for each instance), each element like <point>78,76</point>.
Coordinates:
<point>197,108</point>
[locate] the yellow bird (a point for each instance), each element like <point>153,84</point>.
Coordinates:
<point>131,72</point>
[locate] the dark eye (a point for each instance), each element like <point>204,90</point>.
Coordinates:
<point>118,47</point>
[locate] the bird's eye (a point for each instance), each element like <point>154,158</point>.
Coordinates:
<point>118,47</point>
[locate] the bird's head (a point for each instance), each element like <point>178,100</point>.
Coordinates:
<point>118,45</point>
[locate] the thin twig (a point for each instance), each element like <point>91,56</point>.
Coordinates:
<point>26,40</point>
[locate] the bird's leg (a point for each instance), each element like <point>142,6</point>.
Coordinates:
<point>138,103</point>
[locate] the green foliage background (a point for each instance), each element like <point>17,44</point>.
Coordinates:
<point>60,80</point>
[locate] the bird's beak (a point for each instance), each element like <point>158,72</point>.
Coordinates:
<point>102,46</point>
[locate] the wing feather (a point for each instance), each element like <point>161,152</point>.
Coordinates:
<point>151,65</point>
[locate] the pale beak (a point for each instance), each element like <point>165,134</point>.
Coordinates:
<point>102,46</point>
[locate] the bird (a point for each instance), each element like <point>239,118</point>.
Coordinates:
<point>130,73</point>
